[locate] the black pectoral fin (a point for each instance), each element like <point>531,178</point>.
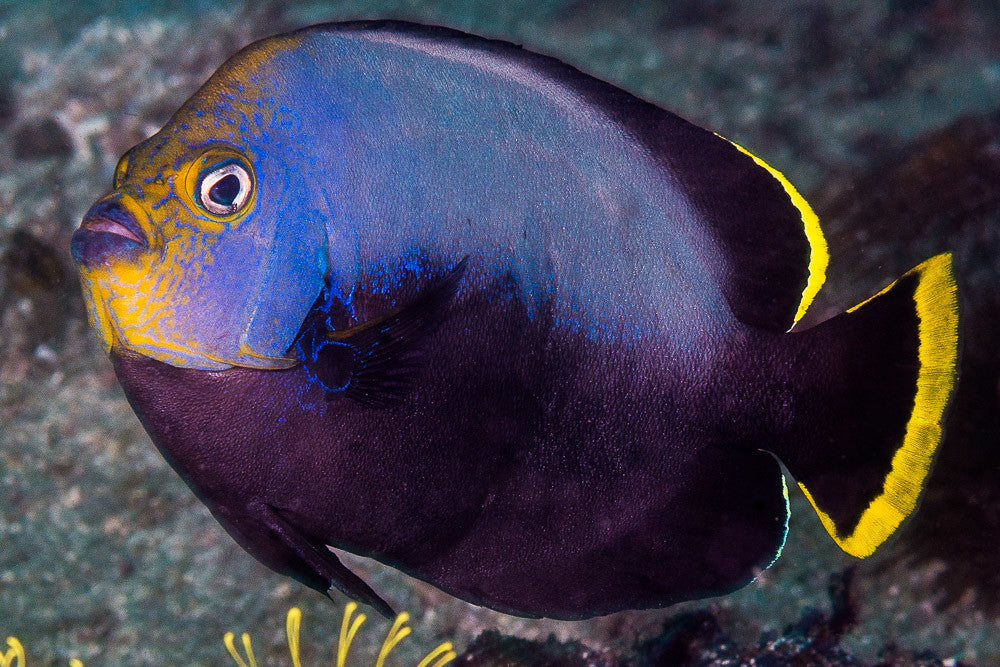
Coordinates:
<point>387,350</point>
<point>322,565</point>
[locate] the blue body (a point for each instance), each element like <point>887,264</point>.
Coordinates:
<point>388,156</point>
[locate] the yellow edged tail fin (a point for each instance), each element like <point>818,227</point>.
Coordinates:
<point>936,301</point>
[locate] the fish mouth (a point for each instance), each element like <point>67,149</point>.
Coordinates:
<point>108,231</point>
<point>113,227</point>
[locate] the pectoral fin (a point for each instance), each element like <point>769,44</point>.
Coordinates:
<point>388,349</point>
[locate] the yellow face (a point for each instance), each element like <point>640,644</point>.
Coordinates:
<point>174,259</point>
<point>142,299</point>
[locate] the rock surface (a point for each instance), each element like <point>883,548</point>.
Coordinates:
<point>104,553</point>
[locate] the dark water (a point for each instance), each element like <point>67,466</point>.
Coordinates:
<point>885,111</point>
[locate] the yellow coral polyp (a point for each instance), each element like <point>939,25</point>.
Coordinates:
<point>228,640</point>
<point>440,656</point>
<point>14,656</point>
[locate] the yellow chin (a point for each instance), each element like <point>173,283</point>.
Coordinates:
<point>134,323</point>
<point>190,356</point>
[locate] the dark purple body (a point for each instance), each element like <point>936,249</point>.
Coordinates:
<point>534,484</point>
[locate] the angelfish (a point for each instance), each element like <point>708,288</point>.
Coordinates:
<point>461,308</point>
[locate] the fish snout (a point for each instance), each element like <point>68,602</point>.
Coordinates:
<point>109,231</point>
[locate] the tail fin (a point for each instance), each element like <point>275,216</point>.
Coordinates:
<point>888,370</point>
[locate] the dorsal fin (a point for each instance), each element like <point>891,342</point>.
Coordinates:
<point>773,254</point>
<point>819,257</point>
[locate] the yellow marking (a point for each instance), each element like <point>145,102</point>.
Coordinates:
<point>138,305</point>
<point>347,632</point>
<point>819,254</point>
<point>231,647</point>
<point>937,309</point>
<point>140,301</point>
<point>292,624</point>
<point>97,309</point>
<point>121,169</point>
<point>263,361</point>
<point>192,172</point>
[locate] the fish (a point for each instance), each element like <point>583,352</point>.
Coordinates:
<point>434,299</point>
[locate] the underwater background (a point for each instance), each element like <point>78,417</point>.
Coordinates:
<point>886,114</point>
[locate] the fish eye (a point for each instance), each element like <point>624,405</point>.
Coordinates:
<point>224,189</point>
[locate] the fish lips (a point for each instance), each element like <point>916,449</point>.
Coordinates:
<point>108,231</point>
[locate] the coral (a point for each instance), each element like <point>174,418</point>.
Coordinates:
<point>699,638</point>
<point>350,625</point>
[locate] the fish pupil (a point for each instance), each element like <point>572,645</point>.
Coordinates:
<point>225,191</point>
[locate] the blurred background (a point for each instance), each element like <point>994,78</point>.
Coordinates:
<point>886,114</point>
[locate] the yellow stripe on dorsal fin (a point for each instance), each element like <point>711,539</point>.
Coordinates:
<point>819,254</point>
